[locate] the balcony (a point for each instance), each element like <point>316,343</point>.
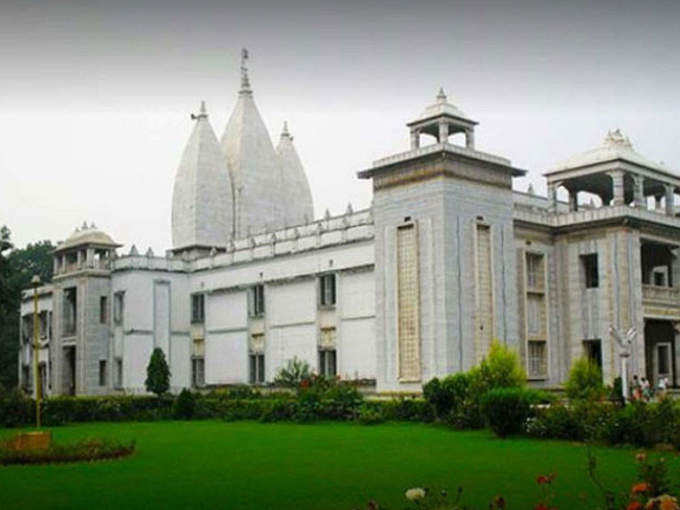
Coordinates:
<point>663,295</point>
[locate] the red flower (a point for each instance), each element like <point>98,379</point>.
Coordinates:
<point>542,479</point>
<point>541,506</point>
<point>634,505</point>
<point>304,383</point>
<point>640,488</point>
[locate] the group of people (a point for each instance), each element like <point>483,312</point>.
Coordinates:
<point>641,389</point>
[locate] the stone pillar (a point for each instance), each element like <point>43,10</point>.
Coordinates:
<point>552,196</point>
<point>55,267</point>
<point>670,199</point>
<point>617,187</point>
<point>639,191</point>
<point>573,200</point>
<point>470,138</point>
<point>415,139</point>
<point>676,355</point>
<point>657,202</point>
<point>79,259</point>
<point>443,131</point>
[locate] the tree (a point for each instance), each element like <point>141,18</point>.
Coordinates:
<point>295,371</point>
<point>17,267</point>
<point>157,373</point>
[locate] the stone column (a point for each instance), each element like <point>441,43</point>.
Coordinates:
<point>55,267</point>
<point>639,191</point>
<point>617,187</point>
<point>676,377</point>
<point>552,196</point>
<point>573,200</point>
<point>443,131</point>
<point>470,138</point>
<point>657,202</point>
<point>670,199</point>
<point>415,139</point>
<point>79,259</point>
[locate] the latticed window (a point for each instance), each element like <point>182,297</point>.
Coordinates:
<point>538,358</point>
<point>534,270</point>
<point>407,303</point>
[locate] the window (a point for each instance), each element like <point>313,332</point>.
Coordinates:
<point>589,263</point>
<point>103,310</point>
<point>327,362</point>
<point>660,277</point>
<point>256,368</point>
<point>534,271</point>
<point>102,372</point>
<point>119,373</point>
<point>327,290</point>
<point>197,308</point>
<point>118,307</point>
<point>198,371</point>
<point>256,303</point>
<point>69,307</point>
<point>593,351</point>
<point>25,377</point>
<point>538,358</point>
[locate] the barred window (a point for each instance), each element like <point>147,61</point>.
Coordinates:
<point>327,362</point>
<point>256,300</point>
<point>102,372</point>
<point>198,371</point>
<point>257,368</point>
<point>327,290</point>
<point>538,358</point>
<point>534,262</point>
<point>198,308</point>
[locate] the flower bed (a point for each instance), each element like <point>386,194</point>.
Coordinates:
<point>86,450</point>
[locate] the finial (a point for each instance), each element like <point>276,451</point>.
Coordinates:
<point>84,227</point>
<point>92,225</point>
<point>245,82</point>
<point>284,132</point>
<point>133,250</point>
<point>149,252</point>
<point>530,189</point>
<point>327,215</point>
<point>349,210</point>
<point>441,96</point>
<point>202,113</point>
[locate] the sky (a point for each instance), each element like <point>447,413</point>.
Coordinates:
<point>95,96</point>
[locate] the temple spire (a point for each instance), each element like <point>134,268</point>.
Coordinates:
<point>284,132</point>
<point>441,96</point>
<point>245,81</point>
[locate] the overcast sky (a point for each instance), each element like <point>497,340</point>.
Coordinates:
<point>95,96</point>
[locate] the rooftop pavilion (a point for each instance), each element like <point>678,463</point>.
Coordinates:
<point>617,174</point>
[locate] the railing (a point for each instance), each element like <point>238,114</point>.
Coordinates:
<point>658,294</point>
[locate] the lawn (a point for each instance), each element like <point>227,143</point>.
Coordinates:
<point>211,464</point>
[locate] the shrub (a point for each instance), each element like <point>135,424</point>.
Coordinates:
<point>556,422</point>
<point>585,381</point>
<point>370,416</point>
<point>85,450</point>
<point>157,373</point>
<point>501,368</point>
<point>451,393</point>
<point>184,405</point>
<point>292,375</point>
<point>16,409</point>
<point>506,410</point>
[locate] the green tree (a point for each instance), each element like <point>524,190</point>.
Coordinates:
<point>17,267</point>
<point>295,371</point>
<point>157,373</point>
<point>585,380</point>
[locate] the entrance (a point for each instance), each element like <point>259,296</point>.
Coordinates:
<point>660,351</point>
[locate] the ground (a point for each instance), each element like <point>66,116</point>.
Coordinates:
<point>212,464</point>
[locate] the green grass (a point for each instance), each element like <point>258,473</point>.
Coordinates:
<point>209,464</point>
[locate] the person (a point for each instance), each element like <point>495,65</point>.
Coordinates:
<point>663,385</point>
<point>636,393</point>
<point>646,389</point>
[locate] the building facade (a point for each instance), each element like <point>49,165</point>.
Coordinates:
<point>447,259</point>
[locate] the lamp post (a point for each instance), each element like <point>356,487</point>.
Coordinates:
<point>625,345</point>
<point>35,281</point>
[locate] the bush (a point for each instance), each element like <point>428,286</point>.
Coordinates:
<point>184,405</point>
<point>85,450</point>
<point>450,394</point>
<point>585,381</point>
<point>501,368</point>
<point>157,373</point>
<point>16,409</point>
<point>370,416</point>
<point>506,410</point>
<point>292,375</point>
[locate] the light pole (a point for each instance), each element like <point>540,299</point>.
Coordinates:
<point>36,346</point>
<point>625,345</point>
